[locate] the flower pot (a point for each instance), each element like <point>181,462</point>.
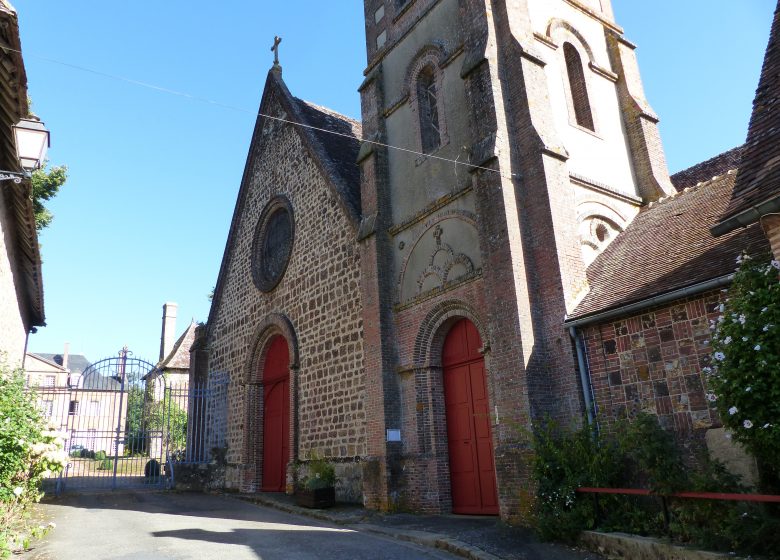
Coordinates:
<point>315,498</point>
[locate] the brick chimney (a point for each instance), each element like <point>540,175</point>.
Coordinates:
<point>168,336</point>
<point>65,354</point>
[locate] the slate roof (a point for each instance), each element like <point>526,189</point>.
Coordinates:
<point>706,170</point>
<point>179,356</point>
<point>98,382</point>
<point>667,247</point>
<point>77,363</point>
<point>341,150</point>
<point>758,180</point>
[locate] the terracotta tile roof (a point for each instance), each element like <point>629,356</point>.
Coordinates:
<point>341,150</point>
<point>179,356</point>
<point>758,179</point>
<point>706,170</point>
<point>667,247</point>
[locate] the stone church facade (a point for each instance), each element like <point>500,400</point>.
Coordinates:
<point>407,314</point>
<point>305,299</point>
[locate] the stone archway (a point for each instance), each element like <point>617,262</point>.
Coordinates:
<point>271,373</point>
<point>431,409</point>
<point>276,415</point>
<point>467,412</point>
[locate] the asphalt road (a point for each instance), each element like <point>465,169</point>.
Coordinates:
<point>140,526</point>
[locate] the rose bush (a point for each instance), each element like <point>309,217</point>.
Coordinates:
<point>745,374</point>
<point>29,451</point>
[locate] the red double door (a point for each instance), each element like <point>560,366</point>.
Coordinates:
<point>276,415</point>
<point>472,470</point>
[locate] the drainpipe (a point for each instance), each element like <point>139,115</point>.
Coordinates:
<point>584,375</point>
<point>627,310</point>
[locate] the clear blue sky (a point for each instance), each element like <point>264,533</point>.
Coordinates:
<point>153,179</point>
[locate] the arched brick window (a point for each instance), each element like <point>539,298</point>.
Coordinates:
<point>428,104</point>
<point>578,87</point>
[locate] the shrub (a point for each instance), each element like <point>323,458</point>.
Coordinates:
<point>564,461</point>
<point>638,453</point>
<point>29,451</point>
<point>745,372</point>
<point>320,474</point>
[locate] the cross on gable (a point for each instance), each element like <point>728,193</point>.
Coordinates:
<point>275,49</point>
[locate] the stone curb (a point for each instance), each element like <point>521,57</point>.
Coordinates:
<point>431,540</point>
<point>622,545</point>
<point>423,538</point>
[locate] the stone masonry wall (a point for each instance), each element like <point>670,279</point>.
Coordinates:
<point>320,297</point>
<point>12,325</point>
<point>653,362</point>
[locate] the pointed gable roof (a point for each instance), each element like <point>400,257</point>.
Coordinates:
<point>335,154</point>
<point>757,188</point>
<point>42,357</point>
<point>179,356</point>
<point>338,151</point>
<point>77,363</point>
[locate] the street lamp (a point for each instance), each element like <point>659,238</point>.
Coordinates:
<point>32,141</point>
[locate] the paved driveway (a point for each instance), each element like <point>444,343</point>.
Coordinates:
<point>194,526</point>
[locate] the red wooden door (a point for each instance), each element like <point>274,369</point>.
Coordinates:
<point>276,416</point>
<point>472,470</point>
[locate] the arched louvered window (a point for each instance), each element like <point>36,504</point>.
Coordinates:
<point>428,107</point>
<point>578,87</point>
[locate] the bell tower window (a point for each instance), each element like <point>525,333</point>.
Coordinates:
<point>578,87</point>
<point>429,110</point>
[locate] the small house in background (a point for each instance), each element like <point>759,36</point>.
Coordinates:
<point>78,398</point>
<point>40,367</point>
<point>42,371</point>
<point>174,361</point>
<point>167,385</point>
<point>21,282</point>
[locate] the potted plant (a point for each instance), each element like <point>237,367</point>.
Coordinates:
<point>317,489</point>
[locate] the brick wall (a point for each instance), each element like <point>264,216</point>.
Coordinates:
<point>652,362</point>
<point>771,225</point>
<point>316,306</point>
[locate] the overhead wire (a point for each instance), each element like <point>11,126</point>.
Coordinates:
<point>189,96</point>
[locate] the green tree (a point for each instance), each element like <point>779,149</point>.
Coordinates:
<point>46,184</point>
<point>134,428</point>
<point>168,418</point>
<point>146,417</point>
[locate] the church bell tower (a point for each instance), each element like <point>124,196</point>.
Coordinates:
<point>521,144</point>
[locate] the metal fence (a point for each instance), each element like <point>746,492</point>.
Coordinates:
<point>207,413</point>
<point>127,427</point>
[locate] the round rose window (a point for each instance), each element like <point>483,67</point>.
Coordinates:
<point>273,244</point>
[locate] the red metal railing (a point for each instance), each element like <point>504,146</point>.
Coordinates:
<point>691,495</point>
<point>765,498</point>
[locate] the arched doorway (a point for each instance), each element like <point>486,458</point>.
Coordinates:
<point>276,415</point>
<point>469,441</point>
